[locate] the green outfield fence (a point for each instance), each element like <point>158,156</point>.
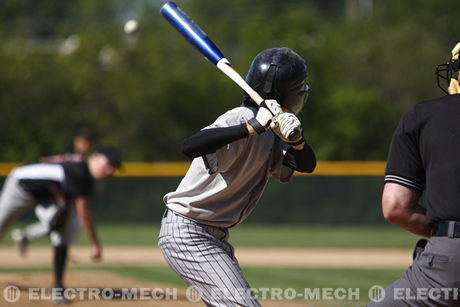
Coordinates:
<point>339,192</point>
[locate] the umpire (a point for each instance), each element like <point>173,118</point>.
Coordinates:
<point>425,157</point>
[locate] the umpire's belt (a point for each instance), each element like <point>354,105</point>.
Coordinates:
<point>449,229</point>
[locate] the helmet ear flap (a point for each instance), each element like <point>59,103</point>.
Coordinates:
<point>270,78</point>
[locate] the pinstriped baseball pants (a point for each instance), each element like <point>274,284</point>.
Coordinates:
<point>202,257</point>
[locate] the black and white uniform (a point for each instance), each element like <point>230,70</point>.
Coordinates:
<point>219,191</point>
<point>29,185</point>
<point>47,213</point>
<point>425,156</point>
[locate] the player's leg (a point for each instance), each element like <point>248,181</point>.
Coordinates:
<point>42,227</point>
<point>59,262</point>
<point>14,203</point>
<point>203,258</point>
<point>22,237</point>
<point>61,239</point>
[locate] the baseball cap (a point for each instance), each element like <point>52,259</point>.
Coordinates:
<point>86,133</point>
<point>112,154</point>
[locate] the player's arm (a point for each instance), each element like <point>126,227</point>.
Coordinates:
<point>57,195</point>
<point>209,140</point>
<point>300,155</point>
<point>86,221</point>
<point>400,207</point>
<point>301,158</point>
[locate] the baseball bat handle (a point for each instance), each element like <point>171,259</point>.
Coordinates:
<point>225,66</point>
<point>295,135</point>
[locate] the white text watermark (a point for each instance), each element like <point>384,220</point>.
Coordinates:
<point>376,293</point>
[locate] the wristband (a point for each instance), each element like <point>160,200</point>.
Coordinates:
<point>256,125</point>
<point>302,139</point>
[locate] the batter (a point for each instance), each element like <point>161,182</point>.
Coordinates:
<point>233,159</point>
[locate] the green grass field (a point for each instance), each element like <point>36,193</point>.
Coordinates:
<point>258,277</point>
<point>321,236</point>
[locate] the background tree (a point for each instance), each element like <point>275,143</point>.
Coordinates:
<point>69,64</point>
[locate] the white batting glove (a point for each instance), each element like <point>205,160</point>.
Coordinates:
<point>267,110</point>
<point>288,127</point>
<point>273,106</point>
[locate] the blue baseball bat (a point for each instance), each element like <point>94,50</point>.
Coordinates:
<point>198,39</point>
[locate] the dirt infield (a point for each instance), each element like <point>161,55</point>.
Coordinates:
<point>281,257</point>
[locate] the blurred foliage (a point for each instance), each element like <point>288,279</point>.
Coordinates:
<point>65,65</point>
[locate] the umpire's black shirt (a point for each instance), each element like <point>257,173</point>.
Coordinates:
<point>425,155</point>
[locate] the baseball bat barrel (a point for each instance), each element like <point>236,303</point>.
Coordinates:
<point>191,32</point>
<point>201,41</point>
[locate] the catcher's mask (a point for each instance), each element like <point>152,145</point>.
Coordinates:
<point>445,72</point>
<point>279,73</point>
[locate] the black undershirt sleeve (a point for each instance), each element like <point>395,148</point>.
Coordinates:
<point>301,160</point>
<point>209,140</point>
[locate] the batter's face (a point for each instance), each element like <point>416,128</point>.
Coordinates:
<point>100,167</point>
<point>296,96</point>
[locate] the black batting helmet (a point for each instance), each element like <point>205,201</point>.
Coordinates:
<point>279,73</point>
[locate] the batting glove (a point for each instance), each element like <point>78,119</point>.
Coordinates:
<point>288,127</point>
<point>267,110</point>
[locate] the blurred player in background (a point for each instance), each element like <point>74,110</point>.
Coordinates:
<point>233,158</point>
<point>424,156</point>
<point>81,147</point>
<point>69,185</point>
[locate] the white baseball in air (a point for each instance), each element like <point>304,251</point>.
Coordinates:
<point>131,26</point>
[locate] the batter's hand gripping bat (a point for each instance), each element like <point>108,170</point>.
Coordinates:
<point>195,36</point>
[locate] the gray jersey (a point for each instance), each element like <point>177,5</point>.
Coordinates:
<point>222,188</point>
